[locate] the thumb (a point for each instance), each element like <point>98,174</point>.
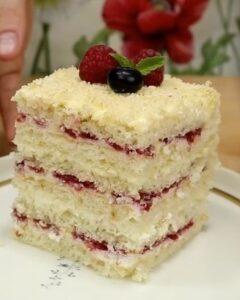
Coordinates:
<point>12,28</point>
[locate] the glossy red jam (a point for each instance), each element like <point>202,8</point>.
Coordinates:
<point>89,242</point>
<point>95,245</point>
<point>46,226</point>
<point>145,201</point>
<point>170,236</point>
<point>74,182</point>
<point>22,218</point>
<point>149,151</point>
<point>22,117</point>
<point>23,165</point>
<point>190,136</point>
<point>78,134</point>
<point>19,216</point>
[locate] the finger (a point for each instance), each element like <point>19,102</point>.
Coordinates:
<point>13,28</point>
<point>8,108</point>
<point>9,83</point>
<point>29,20</point>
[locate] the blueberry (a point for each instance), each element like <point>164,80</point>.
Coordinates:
<point>125,80</point>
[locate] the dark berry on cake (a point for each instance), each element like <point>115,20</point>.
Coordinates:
<point>125,80</point>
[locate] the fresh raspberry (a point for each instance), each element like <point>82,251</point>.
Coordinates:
<point>155,77</point>
<point>96,64</point>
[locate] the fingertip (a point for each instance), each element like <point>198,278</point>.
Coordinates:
<point>9,45</point>
<point>11,133</point>
<point>13,28</point>
<point>10,125</point>
<point>8,86</point>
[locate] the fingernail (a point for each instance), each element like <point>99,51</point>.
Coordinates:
<point>8,43</point>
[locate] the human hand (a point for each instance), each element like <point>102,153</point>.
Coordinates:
<point>15,26</point>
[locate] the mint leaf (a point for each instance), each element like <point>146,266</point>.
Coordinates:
<point>150,64</point>
<point>123,60</point>
<point>81,47</point>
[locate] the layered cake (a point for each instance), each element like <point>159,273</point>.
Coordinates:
<point>115,180</point>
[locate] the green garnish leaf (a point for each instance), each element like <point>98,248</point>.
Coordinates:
<point>123,60</point>
<point>150,64</point>
<point>81,47</point>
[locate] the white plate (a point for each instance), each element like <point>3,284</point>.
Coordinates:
<point>228,181</point>
<point>207,268</point>
<point>6,167</point>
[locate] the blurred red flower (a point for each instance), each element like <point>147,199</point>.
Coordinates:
<point>156,24</point>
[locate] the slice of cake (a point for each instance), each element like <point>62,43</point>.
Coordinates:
<point>115,181</point>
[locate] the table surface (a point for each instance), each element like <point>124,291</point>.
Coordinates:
<point>229,148</point>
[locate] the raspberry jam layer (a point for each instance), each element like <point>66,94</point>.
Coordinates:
<point>127,149</point>
<point>144,201</point>
<point>74,182</point>
<point>147,152</point>
<point>104,246</point>
<point>24,165</point>
<point>22,218</point>
<point>22,118</point>
<point>78,134</point>
<point>173,236</point>
<point>190,137</point>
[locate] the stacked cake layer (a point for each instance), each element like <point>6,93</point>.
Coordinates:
<point>117,182</point>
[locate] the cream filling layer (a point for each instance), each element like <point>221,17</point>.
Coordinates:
<point>144,200</point>
<point>110,168</point>
<point>75,133</point>
<point>92,212</point>
<point>55,232</point>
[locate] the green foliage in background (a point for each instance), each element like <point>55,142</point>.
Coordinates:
<point>215,52</point>
<point>238,23</point>
<point>83,43</point>
<point>213,56</point>
<point>47,3</point>
<point>42,60</point>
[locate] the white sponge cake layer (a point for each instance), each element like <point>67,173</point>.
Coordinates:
<point>112,169</point>
<point>118,223</point>
<point>35,171</point>
<point>135,267</point>
<point>140,118</point>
